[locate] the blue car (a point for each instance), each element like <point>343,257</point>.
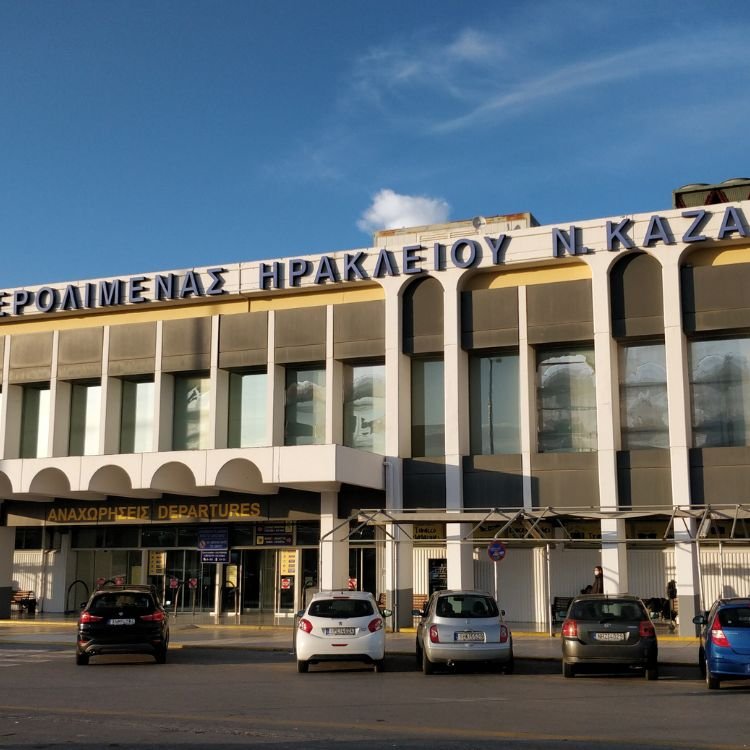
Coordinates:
<point>724,652</point>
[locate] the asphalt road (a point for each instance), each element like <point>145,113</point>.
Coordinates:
<point>221,697</point>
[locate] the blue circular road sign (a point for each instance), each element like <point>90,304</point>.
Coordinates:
<point>496,550</point>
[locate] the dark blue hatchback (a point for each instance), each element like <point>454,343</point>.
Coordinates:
<point>724,652</point>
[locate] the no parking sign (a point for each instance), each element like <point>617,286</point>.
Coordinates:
<point>496,550</point>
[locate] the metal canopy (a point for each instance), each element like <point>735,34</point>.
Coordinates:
<point>525,524</point>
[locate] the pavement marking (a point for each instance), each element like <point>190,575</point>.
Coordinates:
<point>14,657</point>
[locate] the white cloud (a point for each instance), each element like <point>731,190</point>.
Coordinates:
<point>391,210</point>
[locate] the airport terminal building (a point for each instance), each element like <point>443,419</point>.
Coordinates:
<point>240,434</point>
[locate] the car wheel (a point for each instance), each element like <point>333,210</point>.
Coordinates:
<point>161,655</point>
<point>712,683</point>
<point>568,670</point>
<point>509,666</point>
<point>379,665</point>
<point>652,673</point>
<point>302,666</point>
<point>702,662</point>
<point>82,659</point>
<point>427,666</point>
<point>418,656</point>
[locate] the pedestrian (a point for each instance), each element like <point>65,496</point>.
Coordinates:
<point>597,587</point>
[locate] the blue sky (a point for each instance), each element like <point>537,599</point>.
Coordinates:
<point>142,136</point>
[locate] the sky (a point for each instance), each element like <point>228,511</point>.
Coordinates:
<point>169,134</point>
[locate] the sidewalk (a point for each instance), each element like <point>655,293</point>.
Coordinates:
<point>201,631</point>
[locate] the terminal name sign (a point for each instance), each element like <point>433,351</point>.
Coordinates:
<point>465,252</point>
<point>147,512</point>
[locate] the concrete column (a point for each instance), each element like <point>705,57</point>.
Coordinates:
<point>334,432</point>
<point>459,553</point>
<point>614,553</point>
<point>7,544</point>
<point>398,550</point>
<point>59,398</point>
<point>334,552</point>
<point>219,410</point>
<point>4,442</point>
<point>111,408</point>
<point>275,389</point>
<point>11,412</point>
<point>680,440</point>
<point>163,398</point>
<point>526,398</point>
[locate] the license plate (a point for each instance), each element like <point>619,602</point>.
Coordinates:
<point>471,635</point>
<point>610,636</point>
<point>341,631</point>
<point>122,621</point>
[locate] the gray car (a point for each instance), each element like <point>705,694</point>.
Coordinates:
<point>462,626</point>
<point>607,631</point>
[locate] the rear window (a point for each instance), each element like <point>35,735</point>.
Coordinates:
<point>607,610</point>
<point>735,617</point>
<point>466,606</point>
<point>340,608</point>
<point>121,600</point>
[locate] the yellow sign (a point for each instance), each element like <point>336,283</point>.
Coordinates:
<point>288,562</point>
<point>157,563</point>
<point>145,512</point>
<point>429,531</point>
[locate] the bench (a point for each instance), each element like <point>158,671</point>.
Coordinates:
<point>559,608</point>
<point>24,600</point>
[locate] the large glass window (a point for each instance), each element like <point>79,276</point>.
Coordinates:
<point>85,418</point>
<point>364,407</point>
<point>137,416</point>
<point>190,424</point>
<point>247,409</point>
<point>720,392</point>
<point>493,392</point>
<point>427,407</point>
<point>305,418</point>
<point>566,400</point>
<point>35,411</point>
<point>643,397</point>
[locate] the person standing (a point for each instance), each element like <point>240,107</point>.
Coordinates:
<point>597,587</point>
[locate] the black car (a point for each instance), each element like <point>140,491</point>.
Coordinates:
<point>608,631</point>
<point>123,620</point>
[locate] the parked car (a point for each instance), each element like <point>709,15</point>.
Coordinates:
<point>341,626</point>
<point>724,651</point>
<point>603,630</point>
<point>463,626</point>
<point>123,620</point>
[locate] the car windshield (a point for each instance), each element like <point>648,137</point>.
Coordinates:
<point>340,608</point>
<point>121,600</point>
<point>466,605</point>
<point>607,610</point>
<point>734,617</point>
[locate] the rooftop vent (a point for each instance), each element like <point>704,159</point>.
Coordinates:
<point>703,194</point>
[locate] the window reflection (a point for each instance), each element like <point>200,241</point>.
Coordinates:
<point>643,397</point>
<point>364,407</point>
<point>427,408</point>
<point>566,400</point>
<point>305,420</point>
<point>494,404</point>
<point>720,392</point>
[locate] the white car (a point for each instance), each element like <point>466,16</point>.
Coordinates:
<point>463,626</point>
<point>341,626</point>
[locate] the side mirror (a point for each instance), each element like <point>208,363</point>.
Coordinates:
<point>300,613</point>
<point>83,605</point>
<point>699,620</point>
<point>386,612</point>
<point>416,613</point>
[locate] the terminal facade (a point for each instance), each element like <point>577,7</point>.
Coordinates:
<point>239,435</point>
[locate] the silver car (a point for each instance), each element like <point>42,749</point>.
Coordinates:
<point>463,626</point>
